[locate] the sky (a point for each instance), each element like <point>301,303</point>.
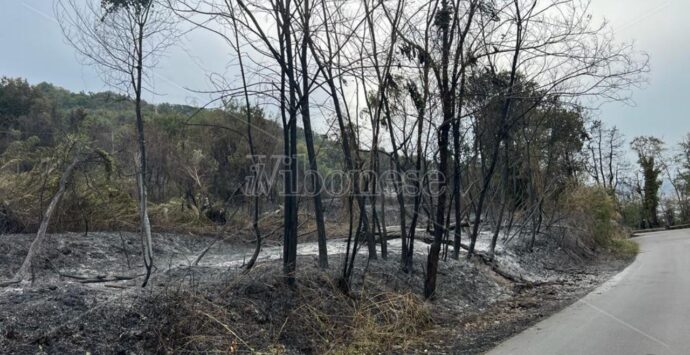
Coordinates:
<point>33,47</point>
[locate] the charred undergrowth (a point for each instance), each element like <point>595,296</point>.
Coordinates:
<point>217,307</point>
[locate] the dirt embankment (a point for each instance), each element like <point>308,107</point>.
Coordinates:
<point>75,305</point>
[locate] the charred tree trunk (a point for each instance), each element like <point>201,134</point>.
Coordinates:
<point>457,240</point>
<point>384,227</point>
<point>37,244</point>
<point>327,70</point>
<point>447,107</point>
<point>499,220</point>
<point>315,178</point>
<point>147,242</point>
<point>505,113</point>
<point>252,152</point>
<point>291,205</point>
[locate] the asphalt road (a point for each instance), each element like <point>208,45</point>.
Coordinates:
<point>643,310</point>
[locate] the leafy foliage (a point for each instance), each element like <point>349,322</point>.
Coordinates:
<point>648,150</point>
<point>597,218</point>
<point>197,158</point>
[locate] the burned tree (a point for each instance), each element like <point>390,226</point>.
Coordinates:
<point>605,149</point>
<point>124,39</point>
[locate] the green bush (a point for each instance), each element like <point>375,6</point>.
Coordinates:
<point>595,212</point>
<point>624,247</point>
<point>631,211</point>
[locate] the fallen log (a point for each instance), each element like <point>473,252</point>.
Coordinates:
<point>9,283</point>
<point>100,278</point>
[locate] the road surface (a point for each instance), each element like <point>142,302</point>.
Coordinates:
<point>643,310</point>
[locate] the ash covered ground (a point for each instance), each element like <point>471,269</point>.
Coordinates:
<point>72,307</point>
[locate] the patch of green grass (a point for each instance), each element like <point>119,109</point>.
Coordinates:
<point>624,247</point>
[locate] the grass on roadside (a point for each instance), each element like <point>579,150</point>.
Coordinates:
<point>624,247</point>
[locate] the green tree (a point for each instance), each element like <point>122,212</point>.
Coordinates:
<point>648,151</point>
<point>683,179</point>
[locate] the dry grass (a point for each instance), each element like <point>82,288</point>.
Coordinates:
<point>259,313</point>
<point>388,322</point>
<point>625,248</point>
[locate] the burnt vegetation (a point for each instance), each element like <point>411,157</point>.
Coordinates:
<point>480,192</point>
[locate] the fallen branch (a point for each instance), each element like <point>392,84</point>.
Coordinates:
<point>9,283</point>
<point>96,279</point>
<point>203,253</point>
<point>100,278</point>
<point>206,250</point>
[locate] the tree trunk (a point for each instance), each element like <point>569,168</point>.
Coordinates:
<point>447,108</point>
<point>345,132</point>
<point>36,245</point>
<point>456,171</point>
<point>309,141</point>
<point>384,226</point>
<point>291,202</point>
<point>250,141</point>
<point>505,113</point>
<point>499,220</point>
<point>147,243</point>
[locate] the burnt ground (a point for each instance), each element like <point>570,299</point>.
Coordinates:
<point>71,308</point>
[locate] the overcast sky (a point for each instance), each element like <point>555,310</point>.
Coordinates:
<point>33,48</point>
